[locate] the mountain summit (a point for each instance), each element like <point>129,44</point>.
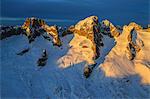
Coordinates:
<point>129,56</point>
<point>91,60</point>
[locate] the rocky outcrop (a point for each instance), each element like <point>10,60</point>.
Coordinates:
<point>53,31</point>
<point>8,31</point>
<point>109,29</point>
<point>32,26</point>
<point>85,44</point>
<point>43,59</point>
<point>23,51</point>
<point>35,27</point>
<point>68,31</point>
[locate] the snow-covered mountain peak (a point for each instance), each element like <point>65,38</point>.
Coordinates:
<point>85,44</point>
<point>126,56</point>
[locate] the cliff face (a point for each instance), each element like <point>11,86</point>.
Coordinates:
<point>85,44</point>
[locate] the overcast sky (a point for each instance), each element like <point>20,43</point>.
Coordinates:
<point>118,11</point>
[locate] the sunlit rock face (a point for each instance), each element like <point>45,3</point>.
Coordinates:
<point>109,29</point>
<point>53,31</point>
<point>130,54</point>
<point>35,27</point>
<point>85,44</point>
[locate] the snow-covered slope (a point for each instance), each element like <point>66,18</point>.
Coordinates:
<point>21,78</point>
<point>115,76</point>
